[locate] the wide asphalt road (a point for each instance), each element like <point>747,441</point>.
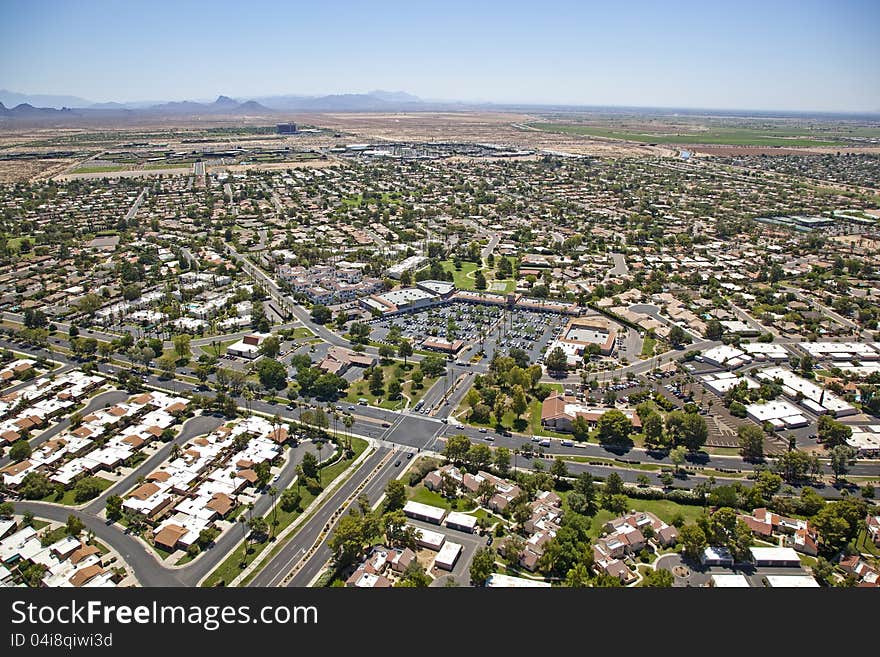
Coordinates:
<point>273,572</point>
<point>374,490</point>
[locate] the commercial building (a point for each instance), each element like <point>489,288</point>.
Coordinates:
<point>248,347</point>
<point>559,411</point>
<point>286,128</point>
<point>409,264</point>
<point>779,413</point>
<point>811,396</point>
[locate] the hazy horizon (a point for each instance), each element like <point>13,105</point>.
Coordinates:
<point>811,56</point>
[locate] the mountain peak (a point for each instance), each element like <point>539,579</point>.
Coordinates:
<point>225,100</point>
<point>394,96</point>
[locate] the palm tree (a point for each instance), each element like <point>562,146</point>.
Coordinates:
<point>248,395</point>
<point>273,492</point>
<point>348,422</point>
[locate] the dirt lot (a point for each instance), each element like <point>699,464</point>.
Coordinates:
<point>485,127</point>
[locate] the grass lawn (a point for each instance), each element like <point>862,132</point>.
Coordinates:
<point>68,499</point>
<point>357,201</point>
<point>163,554</point>
<point>186,558</point>
<point>865,544</point>
<point>425,496</point>
<point>231,566</point>
<point>663,509</point>
<point>218,349</point>
<point>648,346</point>
<point>14,243</point>
<point>462,278</point>
<point>361,388</point>
<point>102,169</point>
<point>302,332</point>
<point>416,395</point>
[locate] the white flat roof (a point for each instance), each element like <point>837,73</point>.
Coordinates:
<point>732,581</point>
<point>497,580</point>
<point>774,554</point>
<point>424,510</point>
<point>448,554</point>
<point>791,581</point>
<point>461,519</point>
<point>428,537</point>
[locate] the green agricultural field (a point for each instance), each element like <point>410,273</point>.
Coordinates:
<point>718,136</point>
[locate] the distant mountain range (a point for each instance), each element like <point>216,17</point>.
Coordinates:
<point>46,107</point>
<point>14,105</point>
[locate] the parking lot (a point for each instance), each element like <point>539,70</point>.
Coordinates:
<point>497,327</point>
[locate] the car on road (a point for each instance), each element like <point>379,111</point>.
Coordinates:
<point>351,408</point>
<point>397,463</point>
<point>483,429</point>
<point>489,439</point>
<point>409,456</point>
<point>489,540</point>
<point>385,425</point>
<point>567,443</point>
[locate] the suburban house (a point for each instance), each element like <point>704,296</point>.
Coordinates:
<point>796,533</point>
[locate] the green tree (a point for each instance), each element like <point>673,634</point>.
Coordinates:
<point>482,566</point>
<point>556,360</point>
<point>320,314</point>
<point>114,508</point>
<point>309,465</point>
<point>290,500</point>
<point>272,374</point>
<point>652,427</point>
<point>394,389</point>
<point>831,432</point>
<point>404,350</point>
<point>677,336</point>
<point>678,455</point>
<point>86,489</point>
<point>558,469</point>
<point>613,484</point>
<point>376,381</point>
<point>74,525</point>
<point>34,485</point>
<point>841,456</point>
<point>20,450</point>
<point>457,447</point>
<point>414,577</point>
<point>693,541</point>
<point>751,441</point>
<point>181,345</point>
<point>270,347</point>
<point>501,460</point>
<point>659,578</point>
<point>613,427</point>
<point>518,402</point>
<point>395,495</point>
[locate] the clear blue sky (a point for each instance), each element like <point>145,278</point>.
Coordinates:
<point>802,55</point>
